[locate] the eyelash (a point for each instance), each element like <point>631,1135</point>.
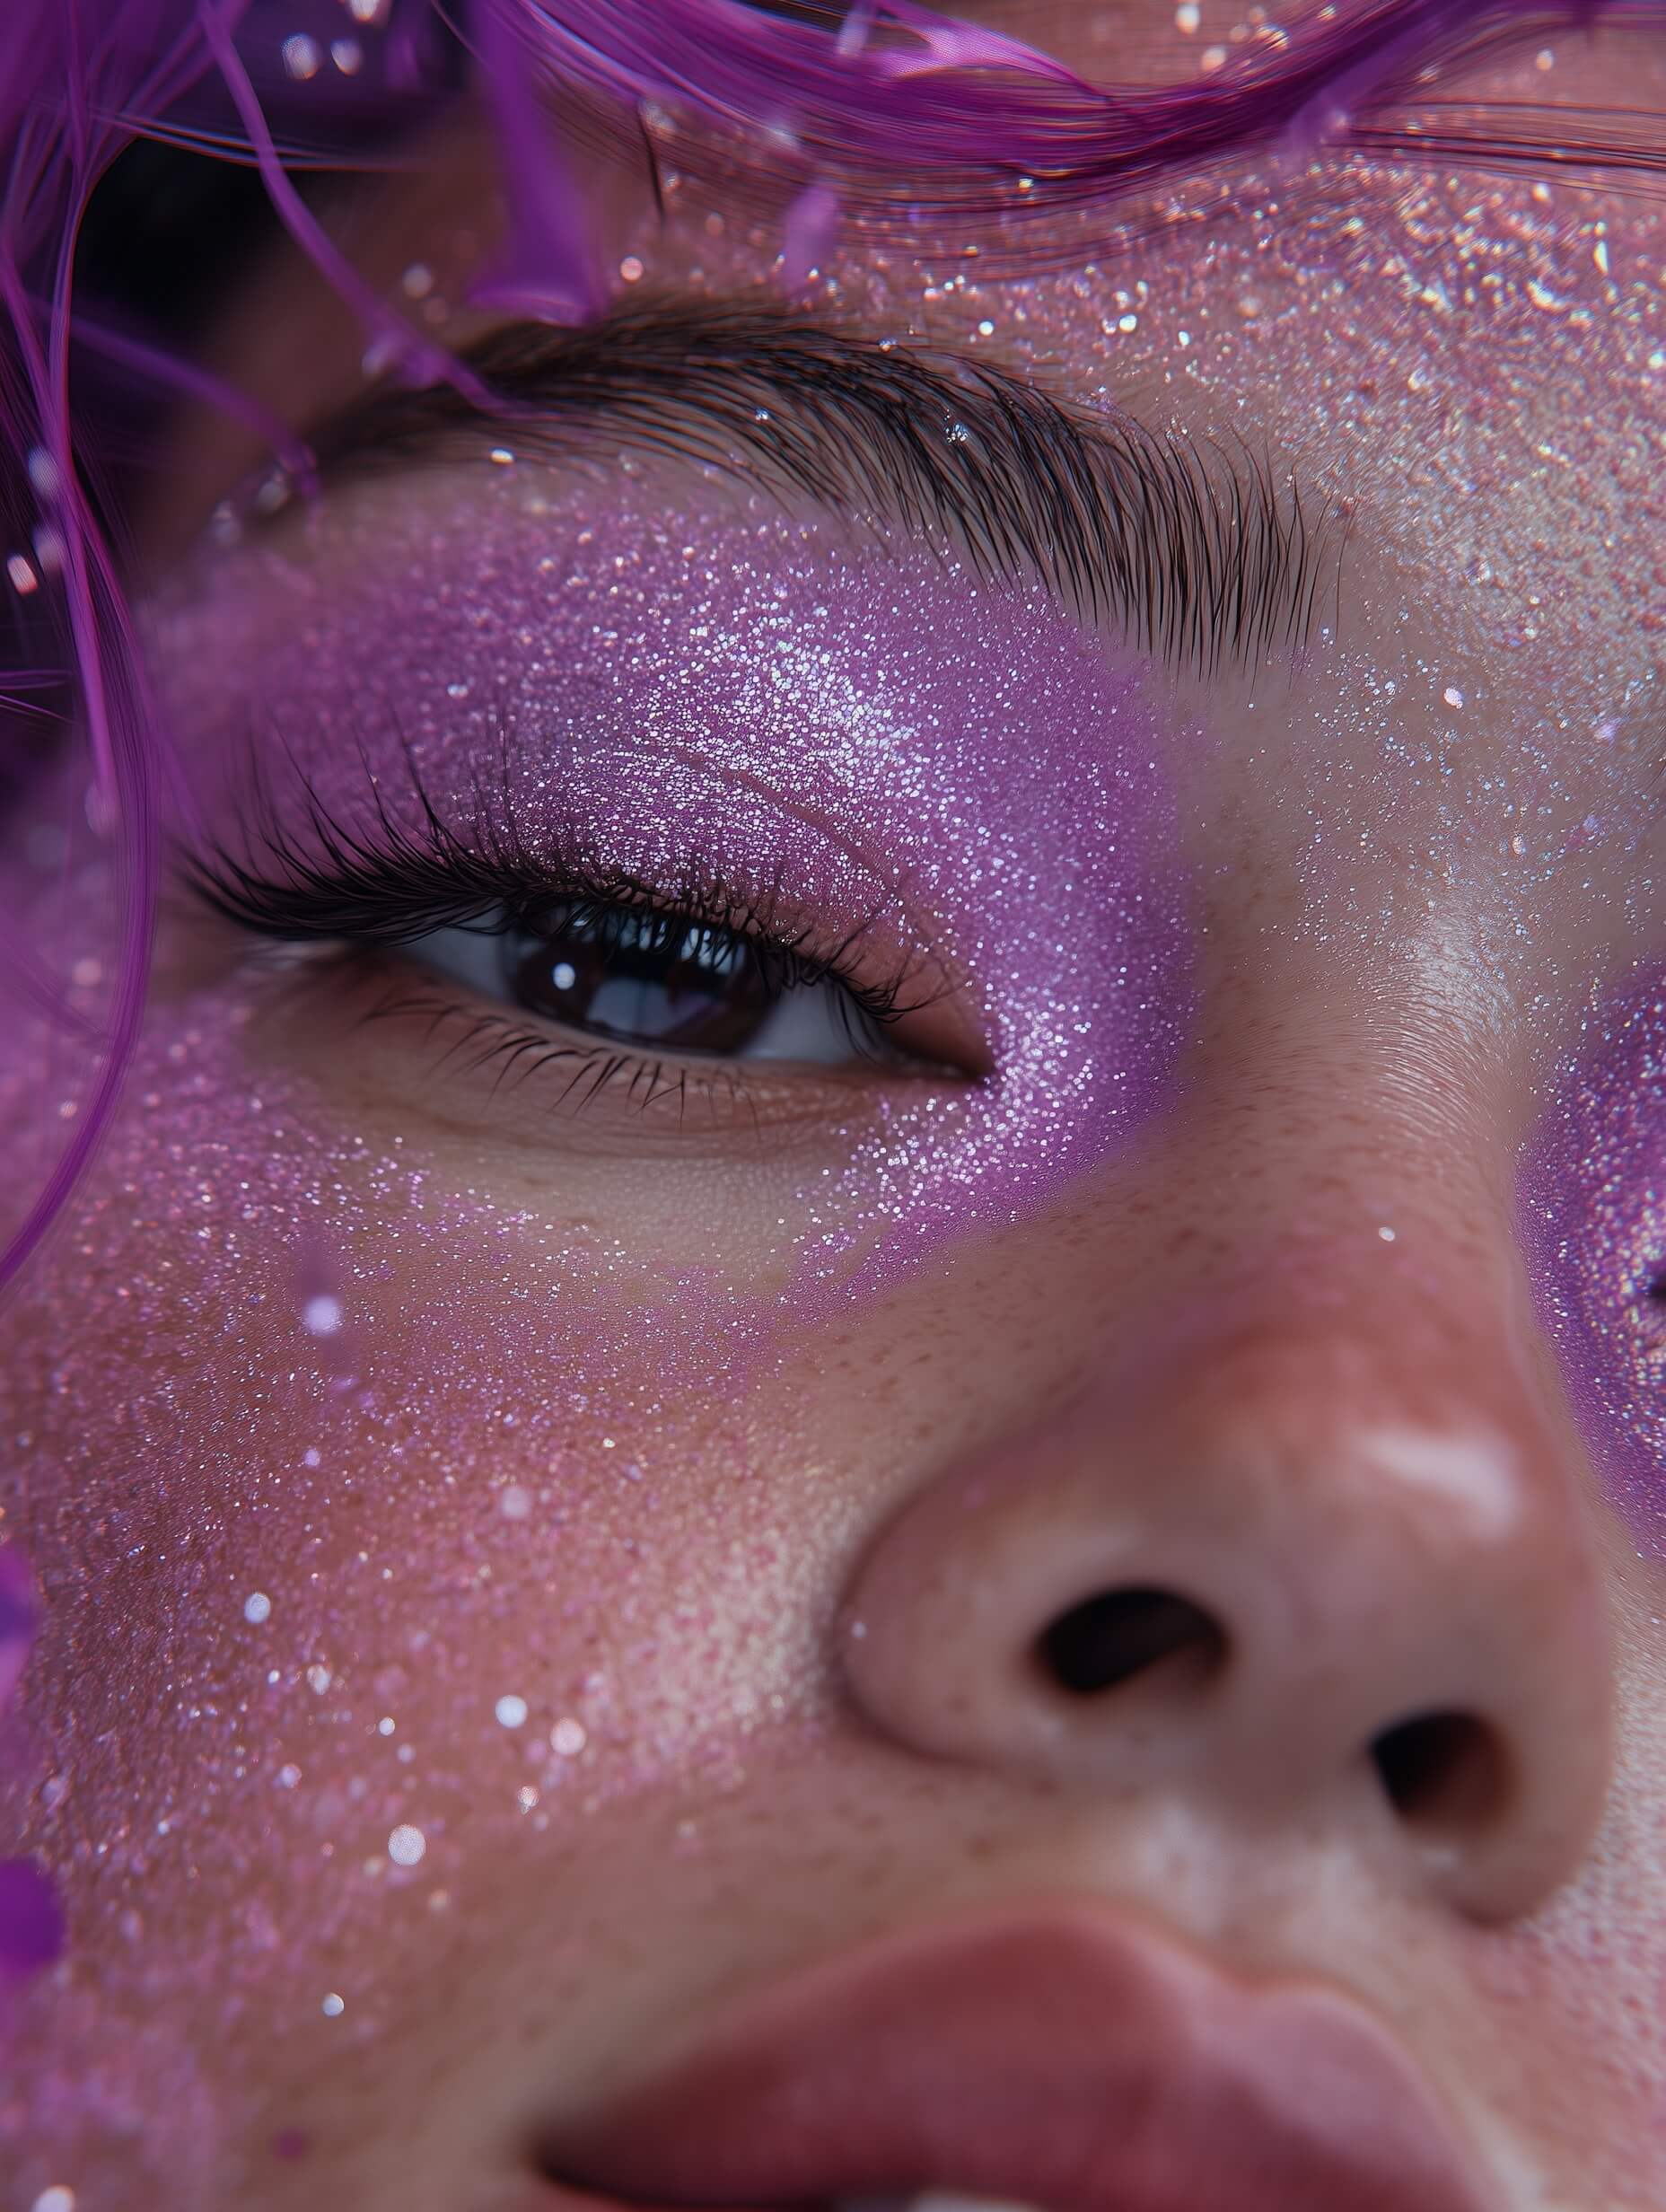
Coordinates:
<point>336,886</point>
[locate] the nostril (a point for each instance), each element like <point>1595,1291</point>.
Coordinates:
<point>1444,1772</point>
<point>1109,1638</point>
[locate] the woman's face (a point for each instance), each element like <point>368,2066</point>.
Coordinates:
<point>968,1551</point>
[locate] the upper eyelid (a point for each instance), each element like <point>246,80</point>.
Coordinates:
<point>395,882</point>
<point>285,847</point>
<point>1199,551</point>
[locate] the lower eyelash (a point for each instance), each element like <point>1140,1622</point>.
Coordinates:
<point>525,1055</point>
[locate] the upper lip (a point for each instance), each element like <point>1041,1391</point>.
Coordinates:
<point>1072,2058</point>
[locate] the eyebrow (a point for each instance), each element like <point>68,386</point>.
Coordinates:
<point>1198,550</point>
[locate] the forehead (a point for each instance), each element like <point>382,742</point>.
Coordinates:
<point>1232,285</point>
<point>1470,366</point>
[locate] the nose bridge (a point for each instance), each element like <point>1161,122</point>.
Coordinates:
<point>1321,1556</point>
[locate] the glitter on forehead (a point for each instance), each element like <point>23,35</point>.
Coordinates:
<point>1452,359</point>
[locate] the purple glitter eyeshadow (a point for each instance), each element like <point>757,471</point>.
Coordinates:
<point>963,771</point>
<point>31,1921</point>
<point>1593,1207</point>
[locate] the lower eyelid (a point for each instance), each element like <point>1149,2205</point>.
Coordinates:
<point>405,1045</point>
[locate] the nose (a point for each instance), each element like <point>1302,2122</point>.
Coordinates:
<point>1321,1572</point>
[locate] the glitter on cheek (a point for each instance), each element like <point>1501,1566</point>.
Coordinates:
<point>1593,1209</point>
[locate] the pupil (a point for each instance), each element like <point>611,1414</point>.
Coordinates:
<point>643,977</point>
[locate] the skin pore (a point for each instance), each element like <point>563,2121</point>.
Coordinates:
<point>456,1512</point>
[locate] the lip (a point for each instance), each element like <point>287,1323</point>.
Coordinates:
<point>1074,2060</point>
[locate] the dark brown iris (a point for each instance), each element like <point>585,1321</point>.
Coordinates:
<point>641,976</point>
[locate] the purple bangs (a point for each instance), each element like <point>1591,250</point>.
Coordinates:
<point>903,111</point>
<point>877,116</point>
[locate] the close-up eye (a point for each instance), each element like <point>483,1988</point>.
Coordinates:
<point>470,958</point>
<point>658,980</point>
<point>833,1079</point>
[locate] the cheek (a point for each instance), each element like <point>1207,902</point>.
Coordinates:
<point>378,1557</point>
<point>1593,1204</point>
<point>372,1580</point>
<point>1589,1972</point>
<point>356,1504</point>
